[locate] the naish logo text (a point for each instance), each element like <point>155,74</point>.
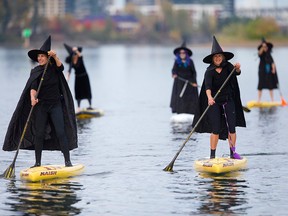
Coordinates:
<point>48,173</point>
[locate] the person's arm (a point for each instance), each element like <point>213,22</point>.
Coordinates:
<point>34,100</point>
<point>174,73</point>
<point>208,87</point>
<point>76,51</point>
<point>194,74</point>
<point>52,53</point>
<point>237,68</point>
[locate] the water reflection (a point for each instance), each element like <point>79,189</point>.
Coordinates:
<point>223,194</point>
<point>54,197</point>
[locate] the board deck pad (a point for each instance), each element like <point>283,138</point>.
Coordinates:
<point>220,165</point>
<point>89,113</point>
<point>50,172</point>
<point>263,104</point>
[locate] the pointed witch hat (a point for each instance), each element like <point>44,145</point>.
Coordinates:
<point>182,47</point>
<point>33,54</point>
<point>269,45</point>
<point>70,49</point>
<point>70,52</point>
<point>216,49</point>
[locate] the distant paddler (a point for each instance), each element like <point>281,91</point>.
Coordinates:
<point>51,125</point>
<point>82,83</point>
<point>184,97</point>
<point>225,111</point>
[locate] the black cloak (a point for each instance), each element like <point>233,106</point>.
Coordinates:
<point>204,125</point>
<point>82,83</point>
<point>267,80</point>
<point>21,113</point>
<point>188,102</point>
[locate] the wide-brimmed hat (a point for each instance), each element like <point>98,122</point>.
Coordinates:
<point>183,47</point>
<point>216,49</point>
<point>33,54</point>
<point>269,45</point>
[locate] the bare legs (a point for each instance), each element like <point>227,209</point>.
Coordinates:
<point>214,138</point>
<point>260,95</point>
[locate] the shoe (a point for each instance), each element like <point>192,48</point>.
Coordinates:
<point>89,108</point>
<point>68,164</point>
<point>235,155</point>
<point>36,165</point>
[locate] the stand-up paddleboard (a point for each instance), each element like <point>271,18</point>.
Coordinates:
<point>50,172</point>
<point>182,118</point>
<point>263,104</point>
<point>89,113</point>
<point>220,165</point>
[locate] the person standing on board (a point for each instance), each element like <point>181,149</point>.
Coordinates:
<point>225,112</point>
<point>53,122</point>
<point>267,70</point>
<point>82,83</point>
<point>184,97</point>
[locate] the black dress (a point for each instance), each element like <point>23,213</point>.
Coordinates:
<point>188,102</point>
<point>267,80</point>
<point>82,84</point>
<point>23,108</point>
<point>204,125</point>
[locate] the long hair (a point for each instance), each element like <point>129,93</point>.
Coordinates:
<point>179,60</point>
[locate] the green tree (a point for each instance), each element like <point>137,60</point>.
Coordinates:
<point>262,27</point>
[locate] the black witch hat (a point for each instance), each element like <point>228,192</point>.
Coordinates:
<point>216,49</point>
<point>33,54</point>
<point>182,47</point>
<point>269,45</point>
<point>70,52</point>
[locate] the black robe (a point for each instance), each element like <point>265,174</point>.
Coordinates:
<point>267,80</point>
<point>82,83</point>
<point>204,125</point>
<point>188,102</point>
<point>21,113</point>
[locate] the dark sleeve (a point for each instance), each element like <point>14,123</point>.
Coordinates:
<point>193,71</point>
<point>34,84</point>
<point>60,68</point>
<point>174,69</point>
<point>70,68</point>
<point>208,79</point>
<point>231,67</point>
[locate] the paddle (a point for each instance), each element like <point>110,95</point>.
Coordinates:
<point>10,171</point>
<point>245,109</point>
<point>169,167</point>
<point>283,102</point>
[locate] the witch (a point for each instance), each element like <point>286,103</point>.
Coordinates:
<point>225,112</point>
<point>82,83</point>
<point>53,123</point>
<point>267,70</point>
<point>184,97</point>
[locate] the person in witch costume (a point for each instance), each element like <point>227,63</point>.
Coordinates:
<point>184,96</point>
<point>82,84</point>
<point>225,112</point>
<point>53,122</point>
<point>267,70</point>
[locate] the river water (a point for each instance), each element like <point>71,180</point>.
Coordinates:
<point>125,151</point>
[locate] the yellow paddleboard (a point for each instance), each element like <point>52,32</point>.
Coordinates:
<point>264,104</point>
<point>89,113</point>
<point>220,165</point>
<point>50,172</point>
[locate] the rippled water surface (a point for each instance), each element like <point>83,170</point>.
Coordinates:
<point>125,151</point>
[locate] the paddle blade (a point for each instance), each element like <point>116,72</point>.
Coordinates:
<point>169,167</point>
<point>9,172</point>
<point>246,109</point>
<point>283,102</point>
